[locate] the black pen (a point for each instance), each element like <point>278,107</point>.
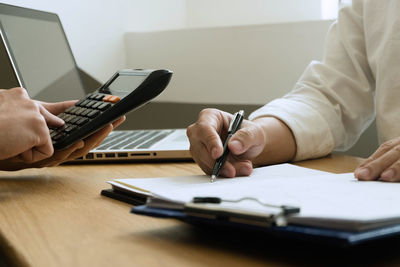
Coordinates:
<point>233,127</point>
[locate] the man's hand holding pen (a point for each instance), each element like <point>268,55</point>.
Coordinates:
<point>234,125</point>
<point>207,137</point>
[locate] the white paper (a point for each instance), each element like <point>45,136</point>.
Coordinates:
<point>321,196</point>
<point>172,183</point>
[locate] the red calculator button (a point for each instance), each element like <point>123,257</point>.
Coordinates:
<point>111,98</point>
<point>106,98</point>
<point>114,99</point>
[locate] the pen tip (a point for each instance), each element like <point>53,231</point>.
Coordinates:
<point>213,177</point>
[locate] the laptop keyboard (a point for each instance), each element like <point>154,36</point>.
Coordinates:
<point>140,139</point>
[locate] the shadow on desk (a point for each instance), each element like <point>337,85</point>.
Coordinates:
<point>262,247</point>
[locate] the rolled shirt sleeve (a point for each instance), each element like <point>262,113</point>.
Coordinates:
<point>333,101</point>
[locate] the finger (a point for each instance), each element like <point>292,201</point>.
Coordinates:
<point>201,156</point>
<point>59,156</point>
<point>236,167</point>
<point>43,147</point>
<point>228,170</point>
<point>118,122</point>
<point>115,124</point>
<point>231,168</point>
<point>206,131</point>
<point>51,120</point>
<point>384,148</point>
<point>207,137</point>
<point>212,128</point>
<point>15,163</point>
<point>363,172</point>
<point>59,107</point>
<point>242,167</point>
<point>91,141</point>
<point>391,174</point>
<point>98,136</point>
<point>64,155</point>
<point>104,136</point>
<point>373,169</point>
<point>38,153</point>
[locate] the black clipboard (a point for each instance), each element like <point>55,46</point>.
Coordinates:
<point>296,232</point>
<point>123,196</point>
<point>317,235</point>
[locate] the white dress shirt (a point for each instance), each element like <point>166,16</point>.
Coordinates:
<point>335,100</point>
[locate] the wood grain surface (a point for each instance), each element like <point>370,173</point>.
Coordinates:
<point>57,217</point>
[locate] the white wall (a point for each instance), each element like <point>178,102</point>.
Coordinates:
<point>156,15</point>
<point>95,28</point>
<point>211,13</point>
<point>250,64</point>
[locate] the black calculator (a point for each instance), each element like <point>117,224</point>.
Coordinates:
<point>125,91</point>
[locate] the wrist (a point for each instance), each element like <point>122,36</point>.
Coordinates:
<point>280,145</point>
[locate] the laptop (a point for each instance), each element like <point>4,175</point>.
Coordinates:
<point>36,55</point>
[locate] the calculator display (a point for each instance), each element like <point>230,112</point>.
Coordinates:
<point>124,84</point>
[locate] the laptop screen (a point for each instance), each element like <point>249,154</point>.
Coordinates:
<point>40,53</point>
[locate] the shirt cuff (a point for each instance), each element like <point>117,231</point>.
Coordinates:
<point>311,132</point>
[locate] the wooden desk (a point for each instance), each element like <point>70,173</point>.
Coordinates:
<point>56,217</point>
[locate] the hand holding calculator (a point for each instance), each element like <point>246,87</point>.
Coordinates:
<point>125,91</point>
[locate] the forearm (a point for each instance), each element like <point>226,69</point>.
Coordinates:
<point>280,143</point>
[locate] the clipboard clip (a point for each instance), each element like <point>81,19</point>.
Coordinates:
<point>286,210</point>
<point>210,207</point>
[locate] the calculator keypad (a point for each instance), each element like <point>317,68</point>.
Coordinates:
<point>81,113</point>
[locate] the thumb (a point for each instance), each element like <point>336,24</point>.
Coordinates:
<point>248,142</point>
